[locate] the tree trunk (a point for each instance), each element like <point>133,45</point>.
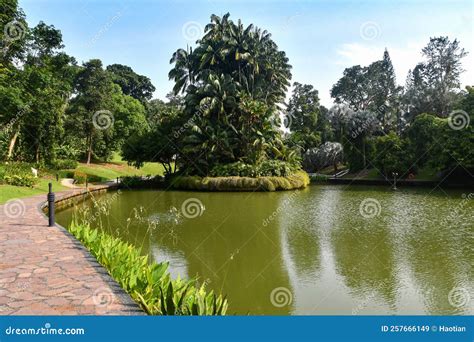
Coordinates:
<point>37,153</point>
<point>89,149</point>
<point>166,168</point>
<point>11,146</point>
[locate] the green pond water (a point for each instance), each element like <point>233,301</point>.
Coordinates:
<point>325,250</point>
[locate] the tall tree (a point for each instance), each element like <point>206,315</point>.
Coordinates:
<point>433,85</point>
<point>137,86</point>
<point>13,32</point>
<point>371,88</point>
<point>303,112</point>
<point>94,88</point>
<point>49,75</point>
<point>13,39</point>
<point>43,85</point>
<point>324,125</point>
<point>103,116</point>
<point>233,81</point>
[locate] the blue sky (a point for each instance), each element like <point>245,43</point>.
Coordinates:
<point>321,38</point>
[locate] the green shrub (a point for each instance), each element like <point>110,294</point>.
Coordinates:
<point>95,178</point>
<point>394,155</point>
<point>265,168</point>
<point>64,164</point>
<point>149,284</point>
<point>18,174</point>
<point>20,180</point>
<point>319,178</point>
<point>296,180</point>
<point>79,177</point>
<point>65,173</point>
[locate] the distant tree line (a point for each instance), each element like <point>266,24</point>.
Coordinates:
<point>379,124</point>
<point>226,114</point>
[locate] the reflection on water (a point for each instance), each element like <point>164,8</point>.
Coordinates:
<point>415,257</point>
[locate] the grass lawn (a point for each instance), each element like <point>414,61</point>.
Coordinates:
<point>110,170</point>
<point>117,168</point>
<point>9,191</point>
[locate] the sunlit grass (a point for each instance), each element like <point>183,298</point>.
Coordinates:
<point>119,168</point>
<point>9,191</point>
<point>107,171</point>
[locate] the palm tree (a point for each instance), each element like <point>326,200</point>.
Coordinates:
<point>183,71</point>
<point>217,28</point>
<point>233,80</point>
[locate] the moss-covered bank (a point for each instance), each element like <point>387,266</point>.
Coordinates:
<point>297,180</point>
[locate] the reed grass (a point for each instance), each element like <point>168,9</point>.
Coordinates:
<point>297,180</point>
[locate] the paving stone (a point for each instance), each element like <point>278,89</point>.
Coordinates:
<point>45,271</point>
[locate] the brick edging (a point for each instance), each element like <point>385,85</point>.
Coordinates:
<point>69,198</point>
<point>47,271</point>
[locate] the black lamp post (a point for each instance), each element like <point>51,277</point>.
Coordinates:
<point>51,205</point>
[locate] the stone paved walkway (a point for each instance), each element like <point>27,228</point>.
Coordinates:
<point>46,271</point>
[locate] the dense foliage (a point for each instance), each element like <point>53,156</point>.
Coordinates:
<point>427,124</point>
<point>296,180</point>
<point>226,115</point>
<point>52,109</point>
<point>18,174</point>
<point>149,284</point>
<point>302,117</point>
<point>232,82</point>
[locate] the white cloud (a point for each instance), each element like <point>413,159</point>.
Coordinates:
<point>403,59</point>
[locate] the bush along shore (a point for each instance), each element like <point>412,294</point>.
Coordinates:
<point>296,180</point>
<point>148,283</point>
